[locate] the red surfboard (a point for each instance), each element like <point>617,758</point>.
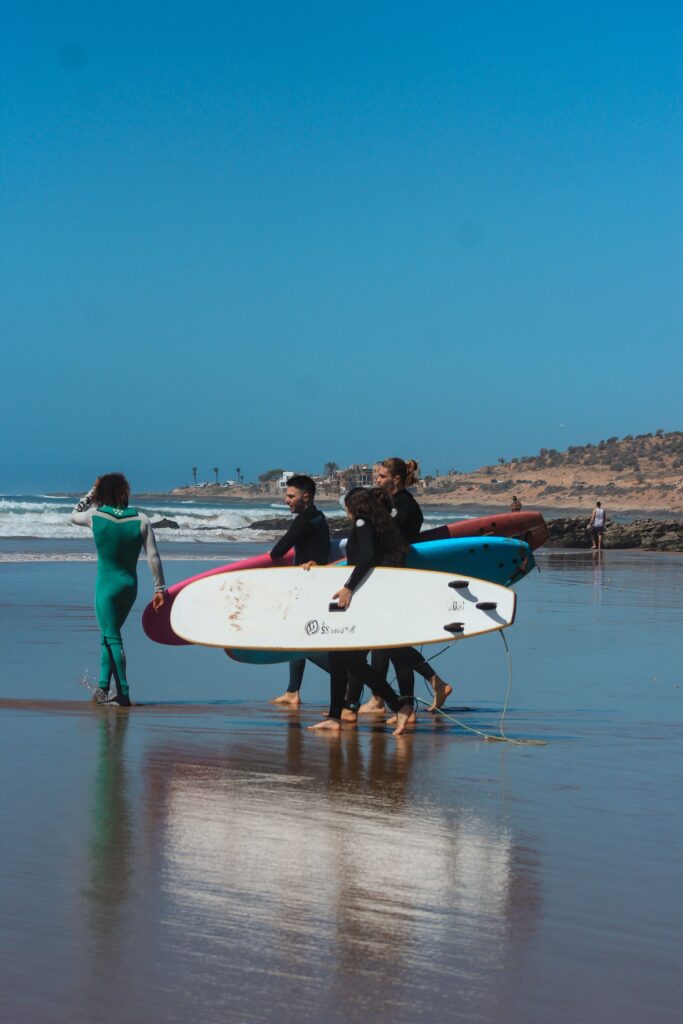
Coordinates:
<point>528,526</point>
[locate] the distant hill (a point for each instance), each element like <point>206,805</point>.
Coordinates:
<point>641,473</point>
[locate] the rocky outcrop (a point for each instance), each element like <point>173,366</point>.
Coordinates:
<point>165,524</point>
<point>649,534</point>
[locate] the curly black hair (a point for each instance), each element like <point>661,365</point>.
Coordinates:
<point>374,507</point>
<point>112,489</point>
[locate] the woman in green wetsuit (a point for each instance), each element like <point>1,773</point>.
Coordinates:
<point>120,532</point>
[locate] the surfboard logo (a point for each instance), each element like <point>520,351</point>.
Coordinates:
<point>312,627</point>
<point>337,630</point>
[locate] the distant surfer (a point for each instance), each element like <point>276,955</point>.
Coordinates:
<point>375,540</point>
<point>309,535</point>
<point>120,533</point>
<point>394,477</point>
<point>597,524</point>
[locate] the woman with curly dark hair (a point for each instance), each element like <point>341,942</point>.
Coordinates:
<point>394,477</point>
<point>120,532</point>
<point>375,540</point>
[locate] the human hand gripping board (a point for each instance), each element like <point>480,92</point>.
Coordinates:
<point>291,609</point>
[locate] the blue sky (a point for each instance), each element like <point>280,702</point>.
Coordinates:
<point>277,234</point>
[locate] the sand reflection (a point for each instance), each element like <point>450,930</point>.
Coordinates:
<point>327,860</point>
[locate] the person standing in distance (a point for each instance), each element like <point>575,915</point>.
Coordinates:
<point>309,535</point>
<point>597,524</point>
<point>120,532</point>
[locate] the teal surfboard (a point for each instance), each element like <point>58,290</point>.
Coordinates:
<point>496,559</point>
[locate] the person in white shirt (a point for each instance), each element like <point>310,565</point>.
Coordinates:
<point>597,524</point>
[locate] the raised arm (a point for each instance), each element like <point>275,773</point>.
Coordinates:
<point>83,511</point>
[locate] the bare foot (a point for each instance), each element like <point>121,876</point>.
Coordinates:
<point>349,716</point>
<point>371,707</point>
<point>442,692</point>
<point>327,725</point>
<point>402,719</point>
<point>287,698</point>
<point>412,719</point>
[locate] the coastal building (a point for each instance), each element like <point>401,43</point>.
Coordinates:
<point>282,482</point>
<point>358,475</point>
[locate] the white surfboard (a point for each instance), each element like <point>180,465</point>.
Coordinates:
<point>291,609</point>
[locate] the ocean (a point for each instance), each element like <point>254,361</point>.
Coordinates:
<point>205,857</point>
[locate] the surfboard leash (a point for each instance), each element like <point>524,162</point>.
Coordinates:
<point>501,736</point>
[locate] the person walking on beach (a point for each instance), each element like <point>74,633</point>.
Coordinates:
<point>597,524</point>
<point>309,535</point>
<point>375,540</point>
<point>119,532</point>
<point>394,476</point>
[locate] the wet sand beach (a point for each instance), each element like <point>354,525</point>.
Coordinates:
<point>205,858</point>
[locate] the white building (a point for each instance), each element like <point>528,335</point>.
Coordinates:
<point>282,482</point>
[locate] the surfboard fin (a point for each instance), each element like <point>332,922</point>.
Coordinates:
<point>455,627</point>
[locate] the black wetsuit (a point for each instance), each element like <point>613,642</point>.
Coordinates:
<point>408,516</point>
<point>406,660</point>
<point>309,535</point>
<point>363,552</point>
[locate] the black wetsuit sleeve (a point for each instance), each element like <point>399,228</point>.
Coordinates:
<point>363,552</point>
<point>294,533</point>
<point>409,516</point>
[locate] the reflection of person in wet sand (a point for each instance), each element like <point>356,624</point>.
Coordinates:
<point>375,540</point>
<point>110,842</point>
<point>391,900</point>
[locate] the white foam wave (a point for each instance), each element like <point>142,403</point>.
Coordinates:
<point>23,518</point>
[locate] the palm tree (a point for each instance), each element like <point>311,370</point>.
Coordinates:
<point>330,469</point>
<point>194,475</point>
<point>215,469</point>
<point>239,471</point>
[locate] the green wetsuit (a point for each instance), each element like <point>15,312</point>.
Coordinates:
<point>120,534</point>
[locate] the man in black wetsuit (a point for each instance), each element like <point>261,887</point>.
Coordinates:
<point>309,535</point>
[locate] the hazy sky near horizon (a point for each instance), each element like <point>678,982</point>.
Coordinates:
<point>274,234</point>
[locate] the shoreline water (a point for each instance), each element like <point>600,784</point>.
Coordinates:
<point>225,862</point>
